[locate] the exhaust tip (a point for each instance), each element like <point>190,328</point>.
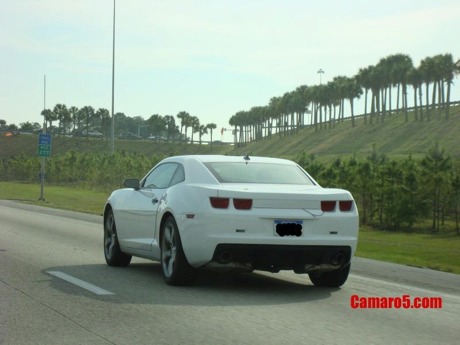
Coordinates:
<point>225,257</point>
<point>338,259</point>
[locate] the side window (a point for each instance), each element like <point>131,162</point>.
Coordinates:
<point>179,175</point>
<point>161,176</point>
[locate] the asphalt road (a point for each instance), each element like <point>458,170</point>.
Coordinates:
<point>41,247</point>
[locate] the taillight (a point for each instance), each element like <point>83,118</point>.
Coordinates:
<point>242,204</point>
<point>345,205</point>
<point>328,206</point>
<point>219,202</point>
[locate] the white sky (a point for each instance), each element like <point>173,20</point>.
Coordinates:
<point>211,58</point>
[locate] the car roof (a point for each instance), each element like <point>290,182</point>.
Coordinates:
<point>224,158</point>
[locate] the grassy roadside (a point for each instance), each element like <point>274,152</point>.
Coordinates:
<point>436,251</point>
<point>64,198</point>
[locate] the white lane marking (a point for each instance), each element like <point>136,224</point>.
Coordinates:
<point>81,283</point>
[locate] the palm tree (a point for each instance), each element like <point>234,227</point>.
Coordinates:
<point>87,114</point>
<point>61,113</point>
<point>375,79</point>
<point>195,125</point>
<point>233,121</point>
<point>414,77</point>
<point>384,69</point>
<point>211,127</point>
<point>102,115</point>
<point>170,126</point>
<point>448,70</point>
<point>401,65</point>
<point>275,106</point>
<point>239,120</point>
<point>352,91</point>
<point>106,122</point>
<point>48,116</point>
<point>363,80</point>
<point>184,117</point>
<point>287,109</point>
<point>341,84</point>
<point>315,93</point>
<point>300,104</point>
<point>202,131</point>
<point>73,111</point>
<point>427,68</point>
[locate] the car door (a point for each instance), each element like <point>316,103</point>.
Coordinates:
<point>138,214</point>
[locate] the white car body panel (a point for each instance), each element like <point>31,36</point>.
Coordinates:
<point>202,228</point>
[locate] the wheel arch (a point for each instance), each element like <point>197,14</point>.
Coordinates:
<point>107,208</point>
<point>164,217</point>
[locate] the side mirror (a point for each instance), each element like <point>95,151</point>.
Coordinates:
<point>131,183</point>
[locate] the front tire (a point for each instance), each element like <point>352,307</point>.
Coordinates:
<point>175,267</point>
<point>112,252</point>
<point>334,278</point>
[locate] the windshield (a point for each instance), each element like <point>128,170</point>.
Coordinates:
<point>267,173</point>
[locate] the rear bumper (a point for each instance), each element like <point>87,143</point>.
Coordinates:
<point>252,236</point>
<point>273,258</point>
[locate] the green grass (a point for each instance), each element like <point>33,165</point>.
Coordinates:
<point>436,251</point>
<point>439,251</point>
<point>64,198</point>
<point>394,137</point>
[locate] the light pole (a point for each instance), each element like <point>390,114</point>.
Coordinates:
<point>320,72</point>
<point>43,159</point>
<point>113,84</point>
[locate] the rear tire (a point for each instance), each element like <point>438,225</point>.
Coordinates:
<point>334,278</point>
<point>112,252</point>
<point>175,267</point>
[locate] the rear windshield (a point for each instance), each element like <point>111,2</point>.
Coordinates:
<point>268,173</point>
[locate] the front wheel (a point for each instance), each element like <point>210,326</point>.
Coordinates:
<point>334,278</point>
<point>174,264</point>
<point>112,252</point>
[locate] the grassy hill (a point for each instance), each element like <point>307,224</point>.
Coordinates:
<point>394,137</point>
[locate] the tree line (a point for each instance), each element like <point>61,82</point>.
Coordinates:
<point>75,121</point>
<point>395,194</point>
<point>390,194</point>
<point>323,105</point>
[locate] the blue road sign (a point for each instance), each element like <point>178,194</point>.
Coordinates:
<point>44,139</point>
<point>44,145</point>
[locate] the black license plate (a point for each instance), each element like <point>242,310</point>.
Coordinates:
<point>288,227</point>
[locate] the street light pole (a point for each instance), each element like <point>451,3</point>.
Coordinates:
<point>43,159</point>
<point>113,84</point>
<point>320,72</point>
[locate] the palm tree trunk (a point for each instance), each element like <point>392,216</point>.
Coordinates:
<point>420,99</point>
<point>448,99</point>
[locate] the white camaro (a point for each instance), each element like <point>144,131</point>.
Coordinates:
<point>232,213</point>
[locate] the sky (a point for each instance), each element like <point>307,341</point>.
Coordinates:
<point>211,58</point>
